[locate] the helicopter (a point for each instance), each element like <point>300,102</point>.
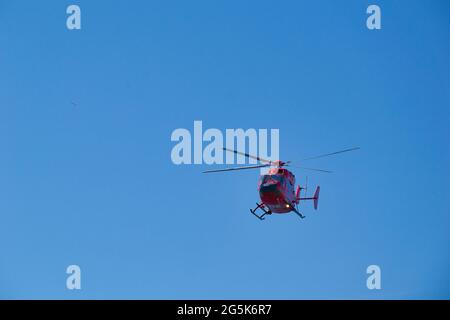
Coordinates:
<point>277,188</point>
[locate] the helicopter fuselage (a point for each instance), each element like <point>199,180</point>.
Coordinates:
<point>277,190</point>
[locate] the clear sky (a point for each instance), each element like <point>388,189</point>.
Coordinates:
<point>86,176</point>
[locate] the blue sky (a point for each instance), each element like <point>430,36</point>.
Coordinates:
<point>93,184</point>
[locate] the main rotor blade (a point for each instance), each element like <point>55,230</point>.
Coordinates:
<point>312,169</point>
<point>332,153</point>
<point>248,155</point>
<point>238,168</point>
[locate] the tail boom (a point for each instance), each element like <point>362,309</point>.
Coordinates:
<point>315,198</point>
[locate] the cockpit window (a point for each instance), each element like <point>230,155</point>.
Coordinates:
<point>266,178</point>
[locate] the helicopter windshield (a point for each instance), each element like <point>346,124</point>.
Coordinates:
<point>267,178</point>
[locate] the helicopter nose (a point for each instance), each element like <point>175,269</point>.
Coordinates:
<point>268,188</point>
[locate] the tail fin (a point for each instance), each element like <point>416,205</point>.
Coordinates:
<point>316,197</point>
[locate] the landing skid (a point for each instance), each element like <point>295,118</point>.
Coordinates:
<point>298,213</point>
<point>266,211</point>
<point>263,208</point>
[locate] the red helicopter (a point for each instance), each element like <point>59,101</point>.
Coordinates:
<point>276,188</point>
